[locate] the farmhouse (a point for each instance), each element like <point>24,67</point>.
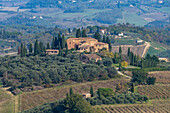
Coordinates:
<point>103,31</point>
<point>86,95</point>
<point>164,59</point>
<point>87,57</point>
<point>86,44</point>
<point>52,51</point>
<point>120,34</point>
<point>139,41</point>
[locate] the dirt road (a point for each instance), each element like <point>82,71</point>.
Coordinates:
<point>146,48</point>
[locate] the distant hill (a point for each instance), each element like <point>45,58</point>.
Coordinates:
<point>82,13</point>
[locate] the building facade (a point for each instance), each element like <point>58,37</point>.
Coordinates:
<point>86,44</point>
<point>87,57</point>
<point>52,52</point>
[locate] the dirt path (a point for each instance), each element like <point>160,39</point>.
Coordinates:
<point>16,99</point>
<point>120,73</point>
<point>146,49</point>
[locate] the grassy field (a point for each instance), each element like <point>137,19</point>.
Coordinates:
<point>6,102</point>
<point>132,18</point>
<point>36,98</point>
<point>156,48</point>
<point>125,41</point>
<point>164,9</point>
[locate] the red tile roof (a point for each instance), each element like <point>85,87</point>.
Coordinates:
<point>92,56</point>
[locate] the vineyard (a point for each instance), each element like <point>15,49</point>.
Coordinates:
<point>154,108</point>
<point>36,98</point>
<point>137,50</point>
<point>154,91</point>
<point>161,76</point>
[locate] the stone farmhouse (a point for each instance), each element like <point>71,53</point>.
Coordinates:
<point>86,44</point>
<point>52,52</point>
<point>87,57</point>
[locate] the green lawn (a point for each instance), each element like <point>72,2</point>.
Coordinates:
<point>164,9</point>
<point>156,49</point>
<point>117,65</point>
<point>132,18</point>
<point>125,41</point>
<point>89,13</point>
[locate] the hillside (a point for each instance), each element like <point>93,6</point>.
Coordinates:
<point>78,13</point>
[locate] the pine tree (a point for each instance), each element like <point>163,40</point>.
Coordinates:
<point>52,44</point>
<point>30,48</point>
<point>71,91</point>
<point>36,48</point>
<point>78,33</point>
<point>91,91</point>
<point>84,33</point>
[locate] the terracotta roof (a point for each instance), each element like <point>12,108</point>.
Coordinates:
<point>82,38</point>
<point>103,29</point>
<point>92,56</point>
<point>52,50</point>
<point>85,47</point>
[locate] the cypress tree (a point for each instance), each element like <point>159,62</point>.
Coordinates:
<point>78,33</point>
<point>19,50</point>
<point>30,48</point>
<point>36,48</point>
<point>63,42</point>
<point>120,50</point>
<point>97,36</point>
<point>60,51</point>
<point>52,44</point>
<point>71,91</point>
<point>128,53</point>
<point>66,49</point>
<point>22,50</point>
<point>41,47</point>
<point>69,30</point>
<point>115,57</point>
<point>132,88</point>
<point>91,91</point>
<point>107,39</point>
<point>142,64</point>
<point>48,46</point>
<point>84,33</point>
<point>110,46</point>
<point>56,43</point>
<point>104,38</point>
